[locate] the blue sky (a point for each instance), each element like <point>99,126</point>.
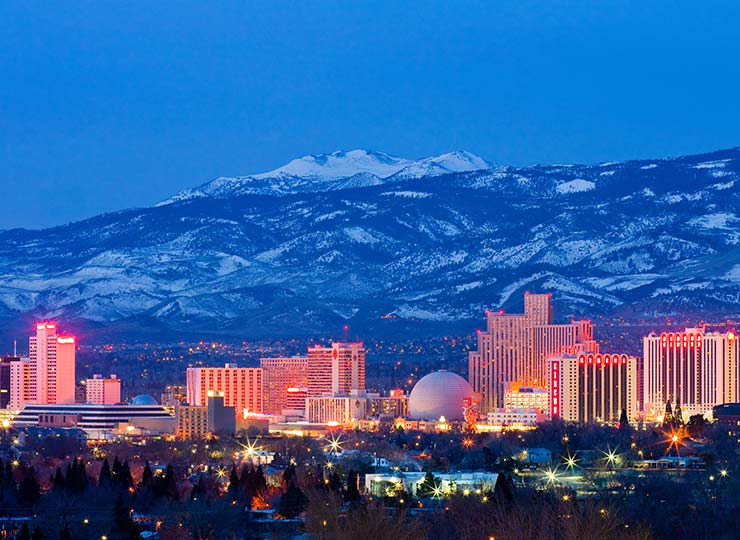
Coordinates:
<point>108,105</point>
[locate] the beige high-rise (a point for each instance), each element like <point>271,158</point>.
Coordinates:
<point>693,368</point>
<point>514,349</point>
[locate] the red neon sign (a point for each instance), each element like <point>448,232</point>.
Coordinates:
<point>554,389</point>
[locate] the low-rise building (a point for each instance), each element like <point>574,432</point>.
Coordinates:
<point>516,418</point>
<point>460,482</point>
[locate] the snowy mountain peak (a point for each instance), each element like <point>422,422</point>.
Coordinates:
<point>336,171</point>
<point>340,165</point>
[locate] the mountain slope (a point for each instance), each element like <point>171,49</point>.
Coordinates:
<point>635,239</point>
<point>336,171</point>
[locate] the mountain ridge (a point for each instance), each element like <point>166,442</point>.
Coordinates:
<point>633,239</point>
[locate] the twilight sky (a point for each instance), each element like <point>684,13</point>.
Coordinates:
<point>108,105</point>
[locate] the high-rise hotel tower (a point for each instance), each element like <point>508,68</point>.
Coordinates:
<point>514,348</point>
<point>694,369</point>
<point>48,376</point>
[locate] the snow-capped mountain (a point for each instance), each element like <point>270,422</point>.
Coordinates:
<point>335,171</point>
<point>386,247</point>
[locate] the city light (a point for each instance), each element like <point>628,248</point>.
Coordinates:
<point>335,444</point>
<point>571,462</point>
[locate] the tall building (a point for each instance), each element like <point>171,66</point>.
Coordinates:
<point>5,366</point>
<point>279,375</point>
<point>20,383</point>
<point>694,369</point>
<point>192,421</point>
<point>221,419</point>
<point>589,388</point>
<point>49,375</point>
<point>242,387</point>
<point>514,349</point>
<point>336,369</point>
<point>101,391</point>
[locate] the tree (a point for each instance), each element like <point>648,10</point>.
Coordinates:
<point>428,486</point>
<point>106,477</point>
<point>37,534</point>
<point>123,527</point>
<point>24,534</point>
<point>353,493</point>
<point>147,477</point>
<point>624,424</point>
<point>293,502</point>
<point>65,533</point>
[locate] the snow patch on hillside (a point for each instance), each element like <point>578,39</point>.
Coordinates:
<point>575,186</point>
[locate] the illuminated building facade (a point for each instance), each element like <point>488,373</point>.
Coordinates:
<point>526,397</point>
<point>336,369</point>
<point>514,349</point>
<point>695,369</point>
<point>102,391</point>
<point>20,383</point>
<point>336,409</point>
<point>518,417</point>
<point>5,366</point>
<point>587,388</point>
<point>48,377</point>
<point>192,421</point>
<point>280,375</point>
<point>242,387</point>
<point>395,404</point>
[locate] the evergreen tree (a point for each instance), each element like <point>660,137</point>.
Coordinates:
<point>123,526</point>
<point>127,480</point>
<point>624,424</point>
<point>106,477</point>
<point>292,503</point>
<point>352,494</point>
<point>147,477</point>
<point>428,486</point>
<point>24,534</point>
<point>58,482</point>
<point>335,483</point>
<point>65,533</point>
<point>169,483</point>
<point>37,534</point>
<point>235,491</point>
<point>28,490</point>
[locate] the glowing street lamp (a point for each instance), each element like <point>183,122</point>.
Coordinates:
<point>611,456</point>
<point>335,444</point>
<point>551,475</point>
<point>571,461</point>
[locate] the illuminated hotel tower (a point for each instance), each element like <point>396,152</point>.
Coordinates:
<point>336,369</point>
<point>242,387</point>
<point>48,377</point>
<point>514,348</point>
<point>693,368</point>
<point>282,380</point>
<point>588,388</point>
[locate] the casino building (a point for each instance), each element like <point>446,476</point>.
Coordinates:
<point>693,368</point>
<point>588,388</point>
<point>142,417</point>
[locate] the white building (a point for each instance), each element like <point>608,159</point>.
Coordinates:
<point>515,418</point>
<point>460,482</point>
<point>693,368</point>
<point>589,388</point>
<point>340,409</point>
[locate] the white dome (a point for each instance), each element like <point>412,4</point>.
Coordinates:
<point>441,393</point>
